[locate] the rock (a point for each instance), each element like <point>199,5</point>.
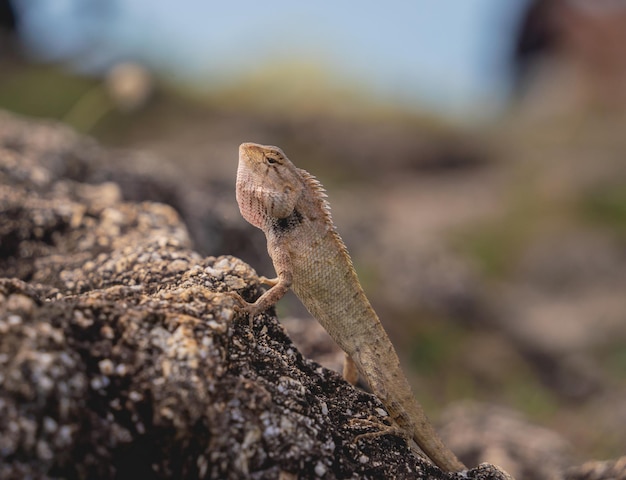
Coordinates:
<point>170,382</point>
<point>122,355</point>
<point>314,342</point>
<point>50,152</point>
<point>487,433</point>
<point>608,470</point>
<point>166,375</point>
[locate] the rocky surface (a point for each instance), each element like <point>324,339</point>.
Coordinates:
<point>57,155</point>
<point>121,354</point>
<point>480,432</point>
<point>613,469</point>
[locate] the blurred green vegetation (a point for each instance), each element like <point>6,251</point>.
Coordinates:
<point>287,88</point>
<point>439,354</point>
<point>614,359</point>
<point>42,91</point>
<point>606,207</point>
<point>436,345</point>
<point>495,246</point>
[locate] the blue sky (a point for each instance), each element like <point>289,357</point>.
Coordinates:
<point>446,55</point>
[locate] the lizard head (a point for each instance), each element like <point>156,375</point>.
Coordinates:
<point>268,184</point>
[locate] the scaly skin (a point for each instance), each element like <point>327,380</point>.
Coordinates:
<point>289,205</point>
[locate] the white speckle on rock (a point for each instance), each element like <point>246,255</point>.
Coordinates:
<point>99,382</point>
<point>212,271</point>
<point>135,396</point>
<point>45,383</point>
<point>271,431</point>
<point>167,412</point>
<point>222,264</point>
<point>177,265</point>
<point>64,437</point>
<point>203,465</point>
<point>320,469</point>
<point>106,366</point>
<point>81,320</point>
<point>226,315</point>
<point>235,283</point>
<point>286,424</point>
<point>50,425</point>
<point>18,301</point>
<point>141,429</point>
<point>44,452</point>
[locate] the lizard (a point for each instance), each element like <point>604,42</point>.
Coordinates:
<point>290,206</point>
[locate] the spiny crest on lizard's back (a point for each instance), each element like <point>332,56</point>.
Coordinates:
<point>314,185</point>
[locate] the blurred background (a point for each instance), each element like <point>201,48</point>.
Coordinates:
<point>473,152</point>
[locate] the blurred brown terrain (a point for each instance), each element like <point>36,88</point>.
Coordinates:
<point>506,238</point>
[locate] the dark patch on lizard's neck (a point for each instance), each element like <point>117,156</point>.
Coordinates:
<point>287,224</point>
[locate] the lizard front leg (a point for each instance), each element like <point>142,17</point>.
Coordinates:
<point>265,301</point>
<point>270,297</point>
<point>249,307</point>
<point>278,287</point>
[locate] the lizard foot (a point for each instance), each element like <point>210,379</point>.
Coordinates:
<point>381,428</point>
<point>242,306</point>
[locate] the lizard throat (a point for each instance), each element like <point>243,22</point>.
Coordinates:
<point>287,224</point>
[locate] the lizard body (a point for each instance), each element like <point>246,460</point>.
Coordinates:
<point>308,254</point>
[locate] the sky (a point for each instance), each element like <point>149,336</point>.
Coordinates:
<point>445,55</point>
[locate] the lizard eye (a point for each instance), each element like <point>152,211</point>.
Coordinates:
<point>271,160</point>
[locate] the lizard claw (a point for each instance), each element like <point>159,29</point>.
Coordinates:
<point>268,281</point>
<point>241,306</point>
<point>382,428</point>
<point>239,301</point>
